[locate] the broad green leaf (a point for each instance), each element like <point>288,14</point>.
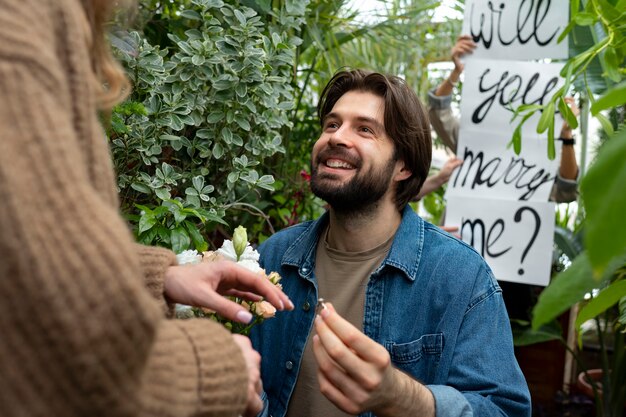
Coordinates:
<point>163,193</point>
<point>607,298</point>
<point>524,335</point>
<point>565,290</point>
<point>616,96</point>
<point>605,203</point>
<point>179,239</point>
<point>196,237</point>
<point>146,223</point>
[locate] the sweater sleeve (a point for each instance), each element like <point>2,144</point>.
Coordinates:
<point>443,120</point>
<point>154,261</point>
<point>82,335</point>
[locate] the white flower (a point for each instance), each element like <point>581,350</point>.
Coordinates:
<point>189,257</point>
<point>251,265</point>
<point>228,251</point>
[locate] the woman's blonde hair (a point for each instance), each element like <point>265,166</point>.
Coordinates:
<point>111,83</point>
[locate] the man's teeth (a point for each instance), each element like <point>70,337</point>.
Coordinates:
<point>334,163</point>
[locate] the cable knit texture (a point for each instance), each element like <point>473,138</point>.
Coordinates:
<point>82,324</point>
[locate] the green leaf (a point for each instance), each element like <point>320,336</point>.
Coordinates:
<point>196,237</point>
<point>551,150</point>
<point>240,17</point>
<point>544,120</point>
<point>171,138</point>
<point>146,223</point>
<point>567,113</point>
<point>584,19</point>
<point>517,139</point>
<point>191,14</point>
<point>616,96</point>
<point>197,60</point>
<point>163,193</point>
<point>605,203</point>
<point>524,335</point>
<point>215,117</point>
<point>605,123</point>
<point>179,239</point>
<point>565,290</point>
<point>611,64</point>
<point>607,298</point>
<point>142,188</point>
<point>243,123</point>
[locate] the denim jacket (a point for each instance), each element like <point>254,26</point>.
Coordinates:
<point>434,305</point>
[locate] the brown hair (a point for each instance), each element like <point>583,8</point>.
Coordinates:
<point>110,81</point>
<point>406,122</point>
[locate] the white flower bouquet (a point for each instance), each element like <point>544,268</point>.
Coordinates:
<point>240,251</point>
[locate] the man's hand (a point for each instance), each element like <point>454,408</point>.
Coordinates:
<point>253,364</point>
<point>355,372</point>
<point>464,45</point>
<point>202,285</point>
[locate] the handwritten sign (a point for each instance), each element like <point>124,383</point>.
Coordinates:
<point>514,237</point>
<point>519,29</point>
<point>492,89</point>
<point>493,170</point>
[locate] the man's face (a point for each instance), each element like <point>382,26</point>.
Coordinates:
<point>352,164</point>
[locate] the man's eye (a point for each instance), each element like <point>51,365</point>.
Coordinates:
<point>367,130</point>
<point>332,125</point>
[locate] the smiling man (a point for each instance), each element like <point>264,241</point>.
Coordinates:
<point>415,324</point>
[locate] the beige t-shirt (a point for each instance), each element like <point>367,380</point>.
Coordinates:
<point>341,279</point>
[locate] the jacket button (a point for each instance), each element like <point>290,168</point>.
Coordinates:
<point>305,270</point>
<point>306,306</point>
<point>289,365</point>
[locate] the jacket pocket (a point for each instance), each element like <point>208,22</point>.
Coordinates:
<point>419,358</point>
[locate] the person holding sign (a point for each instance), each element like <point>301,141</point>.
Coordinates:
<point>565,188</point>
<point>416,324</point>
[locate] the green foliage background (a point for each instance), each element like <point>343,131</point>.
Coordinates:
<point>221,120</point>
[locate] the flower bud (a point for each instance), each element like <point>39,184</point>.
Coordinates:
<point>240,240</point>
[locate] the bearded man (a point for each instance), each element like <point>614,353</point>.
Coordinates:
<point>415,324</point>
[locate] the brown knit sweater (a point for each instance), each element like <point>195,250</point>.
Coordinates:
<point>82,329</point>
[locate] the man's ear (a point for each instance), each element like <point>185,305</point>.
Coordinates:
<point>402,172</point>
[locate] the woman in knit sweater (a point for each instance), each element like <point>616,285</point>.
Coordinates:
<point>83,309</point>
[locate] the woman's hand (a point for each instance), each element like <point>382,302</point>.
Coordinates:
<point>205,284</point>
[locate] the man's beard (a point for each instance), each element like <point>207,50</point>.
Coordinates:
<point>359,194</point>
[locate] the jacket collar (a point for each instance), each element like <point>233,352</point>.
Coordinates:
<point>405,253</point>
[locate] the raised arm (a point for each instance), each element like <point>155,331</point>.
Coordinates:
<point>441,118</point>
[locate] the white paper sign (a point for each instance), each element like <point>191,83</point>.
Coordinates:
<point>517,29</point>
<point>515,238</point>
<point>493,170</point>
<point>492,89</point>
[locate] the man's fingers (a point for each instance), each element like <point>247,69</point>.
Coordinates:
<point>335,396</point>
<point>352,337</point>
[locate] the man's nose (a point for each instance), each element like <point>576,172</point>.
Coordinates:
<point>341,137</point>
